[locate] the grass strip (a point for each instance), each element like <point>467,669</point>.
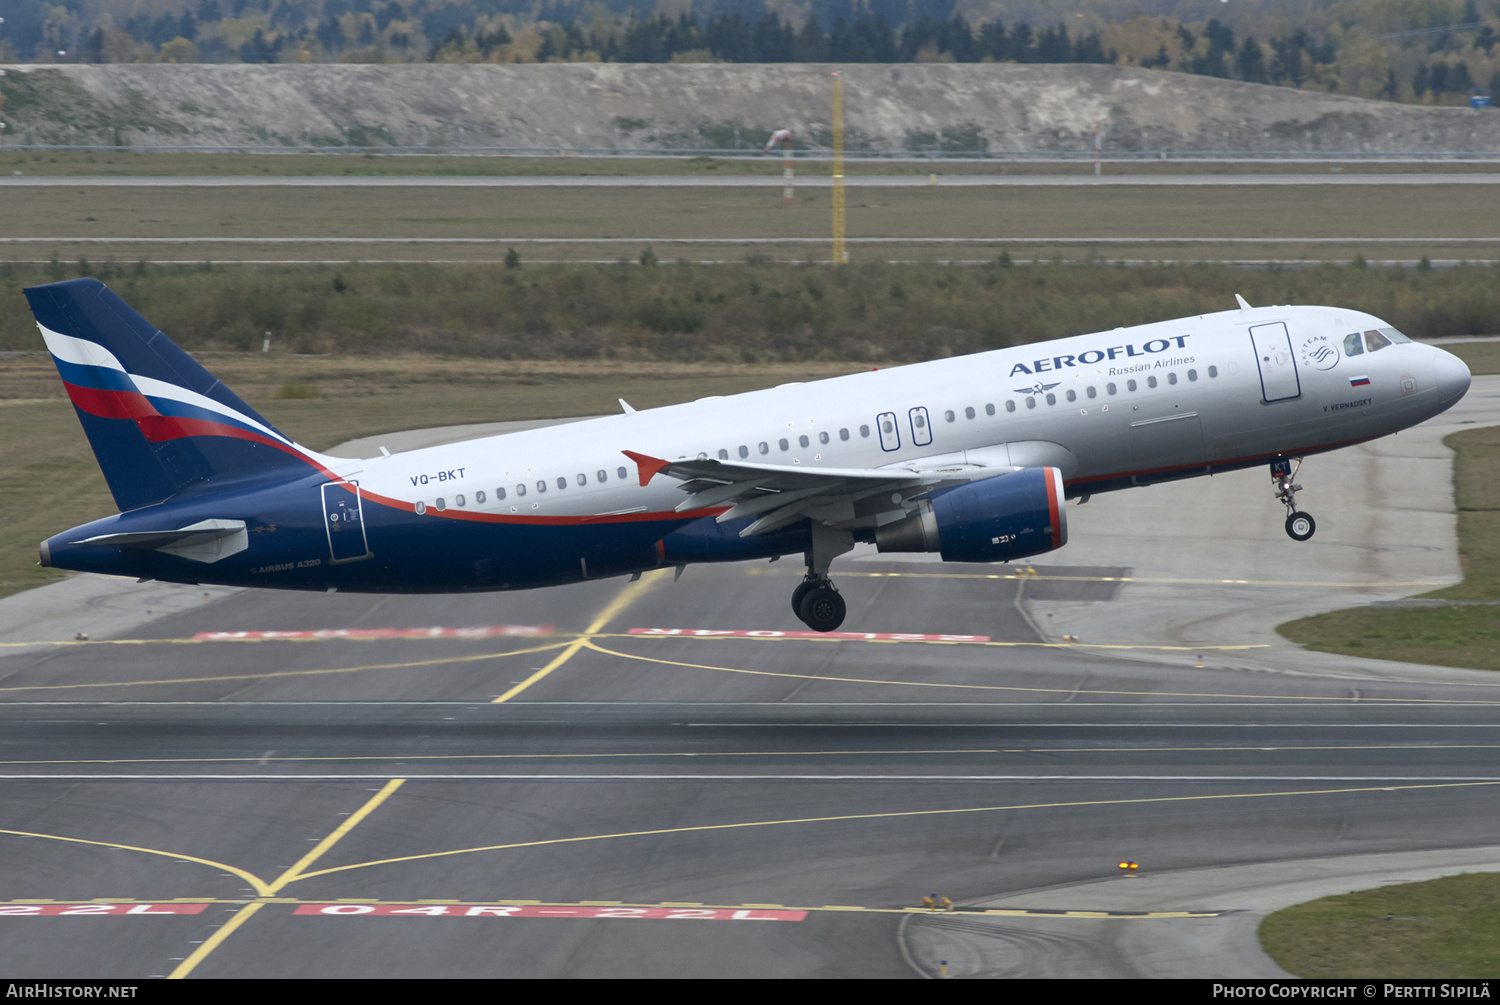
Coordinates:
<point>1447,927</point>
<point>1459,636</point>
<point>301,163</point>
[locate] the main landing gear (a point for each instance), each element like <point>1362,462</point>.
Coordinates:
<point>816,601</point>
<point>1299,526</point>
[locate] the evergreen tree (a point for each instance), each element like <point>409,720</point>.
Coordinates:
<point>774,40</point>
<point>811,45</point>
<point>1249,64</point>
<point>1053,46</point>
<point>993,41</point>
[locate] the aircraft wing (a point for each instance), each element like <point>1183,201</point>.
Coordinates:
<point>778,495</point>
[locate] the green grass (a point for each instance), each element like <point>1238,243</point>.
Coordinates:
<point>1021,214</point>
<point>745,313</point>
<point>168,164</point>
<point>1461,636</point>
<point>1447,927</point>
<point>1481,357</point>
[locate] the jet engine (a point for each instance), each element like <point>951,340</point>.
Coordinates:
<point>1013,515</point>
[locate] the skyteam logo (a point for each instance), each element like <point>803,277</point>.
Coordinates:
<point>1037,388</point>
<point>1319,352</point>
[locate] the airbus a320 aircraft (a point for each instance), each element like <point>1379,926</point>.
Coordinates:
<point>972,458</point>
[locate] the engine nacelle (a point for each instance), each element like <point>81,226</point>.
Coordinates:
<point>997,519</point>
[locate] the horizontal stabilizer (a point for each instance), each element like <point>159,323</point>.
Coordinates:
<point>204,541</point>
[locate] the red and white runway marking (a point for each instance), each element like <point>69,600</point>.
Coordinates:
<point>96,910</point>
<point>547,911</point>
<point>436,632</point>
<point>701,633</point>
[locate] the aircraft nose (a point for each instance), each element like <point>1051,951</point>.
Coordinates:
<point>1452,377</point>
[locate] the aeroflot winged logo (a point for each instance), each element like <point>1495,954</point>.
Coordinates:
<point>1037,388</point>
<point>1121,352</point>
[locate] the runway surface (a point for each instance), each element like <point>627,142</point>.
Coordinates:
<point>735,181</point>
<point>546,783</point>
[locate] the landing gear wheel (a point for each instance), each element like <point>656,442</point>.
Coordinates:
<point>1300,526</point>
<point>822,608</point>
<point>801,592</point>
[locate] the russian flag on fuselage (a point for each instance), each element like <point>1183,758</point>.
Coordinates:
<point>160,425</point>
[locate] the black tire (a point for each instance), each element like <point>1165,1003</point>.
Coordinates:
<point>1300,526</point>
<point>822,609</point>
<point>799,593</point>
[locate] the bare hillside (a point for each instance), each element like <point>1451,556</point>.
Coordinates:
<point>996,107</point>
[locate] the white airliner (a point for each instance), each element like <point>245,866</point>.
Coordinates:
<point>972,457</point>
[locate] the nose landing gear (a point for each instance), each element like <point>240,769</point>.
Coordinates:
<point>1299,526</point>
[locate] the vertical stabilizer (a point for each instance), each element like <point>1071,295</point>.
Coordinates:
<point>160,425</point>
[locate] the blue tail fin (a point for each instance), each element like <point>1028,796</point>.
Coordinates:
<point>160,424</point>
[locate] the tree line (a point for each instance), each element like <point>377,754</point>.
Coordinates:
<point>1428,63</point>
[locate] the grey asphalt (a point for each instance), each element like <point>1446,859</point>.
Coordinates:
<point>735,181</point>
<point>845,777</point>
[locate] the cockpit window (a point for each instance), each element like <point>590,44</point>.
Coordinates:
<point>1352,345</point>
<point>1375,341</point>
<point>1393,335</point>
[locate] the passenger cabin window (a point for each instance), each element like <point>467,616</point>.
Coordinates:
<point>1171,378</point>
<point>458,500</point>
<point>1051,398</point>
<point>521,490</point>
<point>441,505</point>
<point>823,437</point>
<point>1091,392</point>
<point>603,475</point>
<point>989,409</point>
<point>764,447</point>
<point>803,441</point>
<point>541,485</point>
<point>1110,388</point>
<point>499,494</point>
<point>949,415</point>
<point>1072,395</point>
<point>783,444</point>
<point>479,498</point>
<point>864,431</point>
<point>744,451</point>
<point>1213,371</point>
<point>1030,402</point>
<point>843,434</point>
<point>1150,381</point>
<point>1192,375</point>
<point>1130,385</point>
<point>723,456</point>
<point>1375,341</point>
<point>583,479</point>
<point>1010,406</point>
<point>620,473</point>
<point>969,412</point>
